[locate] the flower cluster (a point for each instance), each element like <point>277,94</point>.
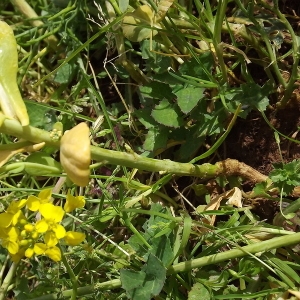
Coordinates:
<point>24,238</point>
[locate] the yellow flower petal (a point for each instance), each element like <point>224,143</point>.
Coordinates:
<point>33,203</point>
<point>45,195</point>
<point>29,252</point>
<point>73,203</point>
<point>41,226</point>
<point>11,246</point>
<point>11,102</point>
<point>74,238</point>
<point>5,219</point>
<point>50,239</point>
<point>15,206</point>
<point>54,253</point>
<point>17,217</point>
<point>59,230</point>
<point>51,212</point>
<point>39,248</point>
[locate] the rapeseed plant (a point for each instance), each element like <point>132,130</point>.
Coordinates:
<point>27,235</point>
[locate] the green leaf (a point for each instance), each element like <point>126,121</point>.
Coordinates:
<point>156,138</point>
<point>41,164</point>
<point>65,73</point>
<point>199,291</point>
<point>167,114</point>
<point>260,189</point>
<point>145,284</point>
<point>198,68</point>
<point>40,116</point>
<point>136,25</point>
<point>286,177</point>
<point>154,61</point>
<point>157,90</point>
<point>144,116</point>
<point>188,98</point>
<point>123,5</point>
<point>254,95</point>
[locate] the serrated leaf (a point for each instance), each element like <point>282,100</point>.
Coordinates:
<point>254,95</point>
<point>167,114</point>
<point>145,284</point>
<point>144,116</point>
<point>187,98</point>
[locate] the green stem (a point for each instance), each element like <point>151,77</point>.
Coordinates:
<point>7,281</point>
<point>274,243</point>
<point>228,167</point>
<point>296,57</point>
<point>196,263</point>
<point>222,6</point>
<point>71,274</point>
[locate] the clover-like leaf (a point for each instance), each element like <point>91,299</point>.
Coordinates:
<point>75,154</point>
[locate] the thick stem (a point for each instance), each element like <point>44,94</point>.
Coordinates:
<point>274,243</point>
<point>7,281</point>
<point>228,167</point>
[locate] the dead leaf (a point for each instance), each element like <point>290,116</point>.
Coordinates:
<point>235,198</point>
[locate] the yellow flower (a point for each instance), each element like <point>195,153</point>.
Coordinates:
<point>52,252</point>
<point>52,215</point>
<point>74,238</point>
<point>29,252</point>
<point>34,203</point>
<point>10,238</point>
<point>13,213</point>
<point>73,203</point>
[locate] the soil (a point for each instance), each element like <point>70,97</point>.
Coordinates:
<point>252,140</point>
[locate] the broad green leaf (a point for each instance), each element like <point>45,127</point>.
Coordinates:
<point>145,284</point>
<point>41,164</point>
<point>136,25</point>
<point>156,138</point>
<point>41,116</point>
<point>154,61</point>
<point>187,98</point>
<point>198,68</point>
<point>65,74</point>
<point>253,95</point>
<point>199,291</point>
<point>144,116</point>
<point>167,114</point>
<point>123,5</point>
<point>161,248</point>
<point>157,90</point>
